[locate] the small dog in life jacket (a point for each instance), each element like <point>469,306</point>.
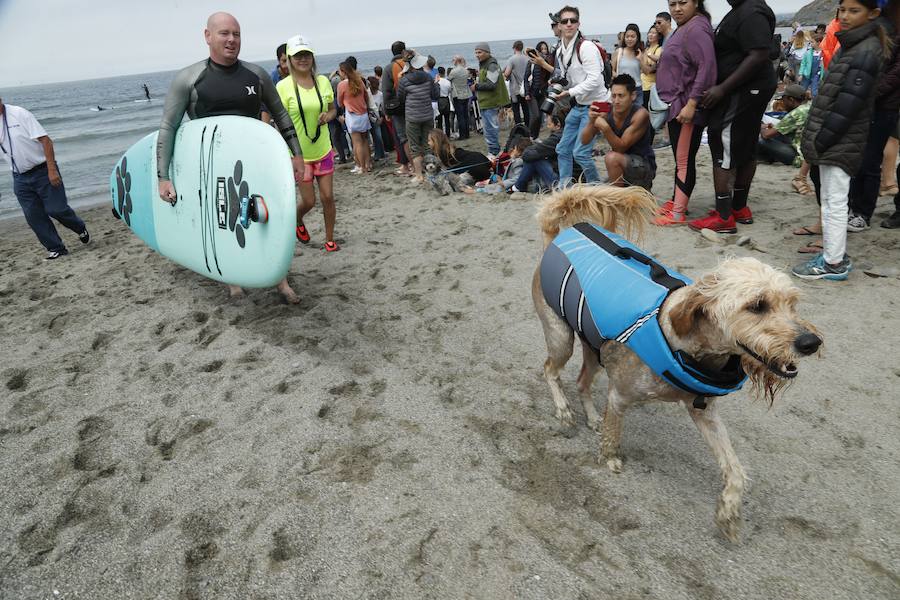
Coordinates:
<point>659,336</point>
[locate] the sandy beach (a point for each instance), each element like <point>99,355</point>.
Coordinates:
<point>392,436</point>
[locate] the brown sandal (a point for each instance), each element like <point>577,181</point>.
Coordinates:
<point>813,247</point>
<point>802,187</point>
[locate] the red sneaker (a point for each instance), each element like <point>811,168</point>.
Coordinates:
<point>743,216</point>
<point>714,222</point>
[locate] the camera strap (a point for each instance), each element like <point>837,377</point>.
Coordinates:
<point>562,54</point>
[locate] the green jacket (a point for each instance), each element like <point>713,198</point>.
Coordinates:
<point>491,87</point>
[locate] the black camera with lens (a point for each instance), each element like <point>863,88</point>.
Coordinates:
<point>556,86</point>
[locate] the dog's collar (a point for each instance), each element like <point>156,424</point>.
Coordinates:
<point>769,366</point>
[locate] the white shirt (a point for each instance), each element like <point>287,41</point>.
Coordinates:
<point>378,101</point>
<point>445,86</point>
<point>23,130</point>
<point>585,76</point>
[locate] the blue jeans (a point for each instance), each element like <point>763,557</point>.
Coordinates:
<point>544,171</point>
<point>40,201</point>
<point>377,142</point>
<point>570,148</point>
<point>491,117</point>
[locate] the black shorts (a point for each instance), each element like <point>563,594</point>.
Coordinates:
<point>638,172</point>
<point>733,127</point>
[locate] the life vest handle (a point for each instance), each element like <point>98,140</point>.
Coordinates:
<point>658,273</point>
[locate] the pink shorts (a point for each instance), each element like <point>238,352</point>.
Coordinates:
<point>323,166</point>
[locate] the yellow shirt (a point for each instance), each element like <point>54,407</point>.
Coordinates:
<point>648,79</point>
<point>312,108</point>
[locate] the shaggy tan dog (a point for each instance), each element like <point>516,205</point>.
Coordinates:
<point>743,307</point>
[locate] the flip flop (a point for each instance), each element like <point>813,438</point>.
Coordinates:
<point>811,248</point>
<point>806,231</point>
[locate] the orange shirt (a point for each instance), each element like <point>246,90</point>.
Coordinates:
<point>830,44</point>
<point>355,104</point>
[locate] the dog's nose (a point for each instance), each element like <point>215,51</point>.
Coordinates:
<point>807,343</point>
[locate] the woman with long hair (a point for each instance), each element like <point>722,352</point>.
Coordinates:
<point>353,96</point>
<point>686,70</point>
<point>627,59</point>
<point>649,62</point>
<point>309,100</point>
<point>458,160</point>
<point>536,86</point>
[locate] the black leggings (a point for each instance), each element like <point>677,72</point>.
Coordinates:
<point>685,150</point>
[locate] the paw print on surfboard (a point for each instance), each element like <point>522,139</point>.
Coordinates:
<point>123,191</point>
<point>237,189</point>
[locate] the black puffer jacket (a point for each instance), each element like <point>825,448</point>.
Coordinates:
<point>887,94</point>
<point>838,123</point>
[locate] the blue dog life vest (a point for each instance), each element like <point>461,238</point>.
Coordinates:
<point>607,289</point>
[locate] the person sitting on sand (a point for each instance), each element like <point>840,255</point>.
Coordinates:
<point>217,86</point>
<point>539,159</point>
<point>626,128</point>
<point>459,160</point>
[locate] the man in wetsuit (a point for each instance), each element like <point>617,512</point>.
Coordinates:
<point>221,85</point>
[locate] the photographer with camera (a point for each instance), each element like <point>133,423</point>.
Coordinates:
<point>579,77</point>
<point>626,127</point>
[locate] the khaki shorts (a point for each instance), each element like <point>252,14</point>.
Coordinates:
<point>417,135</point>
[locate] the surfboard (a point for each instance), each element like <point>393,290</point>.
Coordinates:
<point>235,214</point>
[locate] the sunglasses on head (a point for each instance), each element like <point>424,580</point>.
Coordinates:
<point>568,21</point>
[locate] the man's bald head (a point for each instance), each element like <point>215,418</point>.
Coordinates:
<point>223,36</point>
<point>218,19</point>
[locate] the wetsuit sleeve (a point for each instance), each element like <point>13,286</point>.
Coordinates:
<point>272,101</point>
<point>177,100</point>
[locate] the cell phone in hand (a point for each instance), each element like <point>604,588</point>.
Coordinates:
<point>531,52</point>
<point>601,107</point>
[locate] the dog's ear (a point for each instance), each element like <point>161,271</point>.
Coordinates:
<point>685,314</point>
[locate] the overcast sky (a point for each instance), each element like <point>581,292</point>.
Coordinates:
<point>45,41</point>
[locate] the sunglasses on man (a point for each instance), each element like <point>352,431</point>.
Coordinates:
<point>568,21</point>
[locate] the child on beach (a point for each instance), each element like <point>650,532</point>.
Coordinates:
<point>837,128</point>
<point>540,159</point>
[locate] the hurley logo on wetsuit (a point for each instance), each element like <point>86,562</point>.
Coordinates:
<point>250,90</point>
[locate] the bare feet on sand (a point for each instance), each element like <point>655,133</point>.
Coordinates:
<point>235,291</point>
<point>290,296</point>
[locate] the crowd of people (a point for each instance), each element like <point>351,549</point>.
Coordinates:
<point>825,102</point>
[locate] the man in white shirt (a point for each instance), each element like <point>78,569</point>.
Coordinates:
<point>36,181</point>
<point>578,60</point>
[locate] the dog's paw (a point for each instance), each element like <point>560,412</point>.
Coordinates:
<point>595,423</point>
<point>728,518</point>
<point>565,417</point>
<point>614,463</point>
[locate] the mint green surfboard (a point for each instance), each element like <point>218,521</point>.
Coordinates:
<point>218,163</point>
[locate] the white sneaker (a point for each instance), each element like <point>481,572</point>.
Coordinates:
<point>356,170</point>
<point>856,223</point>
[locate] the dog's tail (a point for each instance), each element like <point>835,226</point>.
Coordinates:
<point>622,210</point>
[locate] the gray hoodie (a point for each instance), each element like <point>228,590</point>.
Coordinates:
<point>417,91</point>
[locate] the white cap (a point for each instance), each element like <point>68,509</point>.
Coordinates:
<point>298,43</point>
<point>418,61</point>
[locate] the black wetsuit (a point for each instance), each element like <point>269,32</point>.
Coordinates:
<point>208,89</point>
